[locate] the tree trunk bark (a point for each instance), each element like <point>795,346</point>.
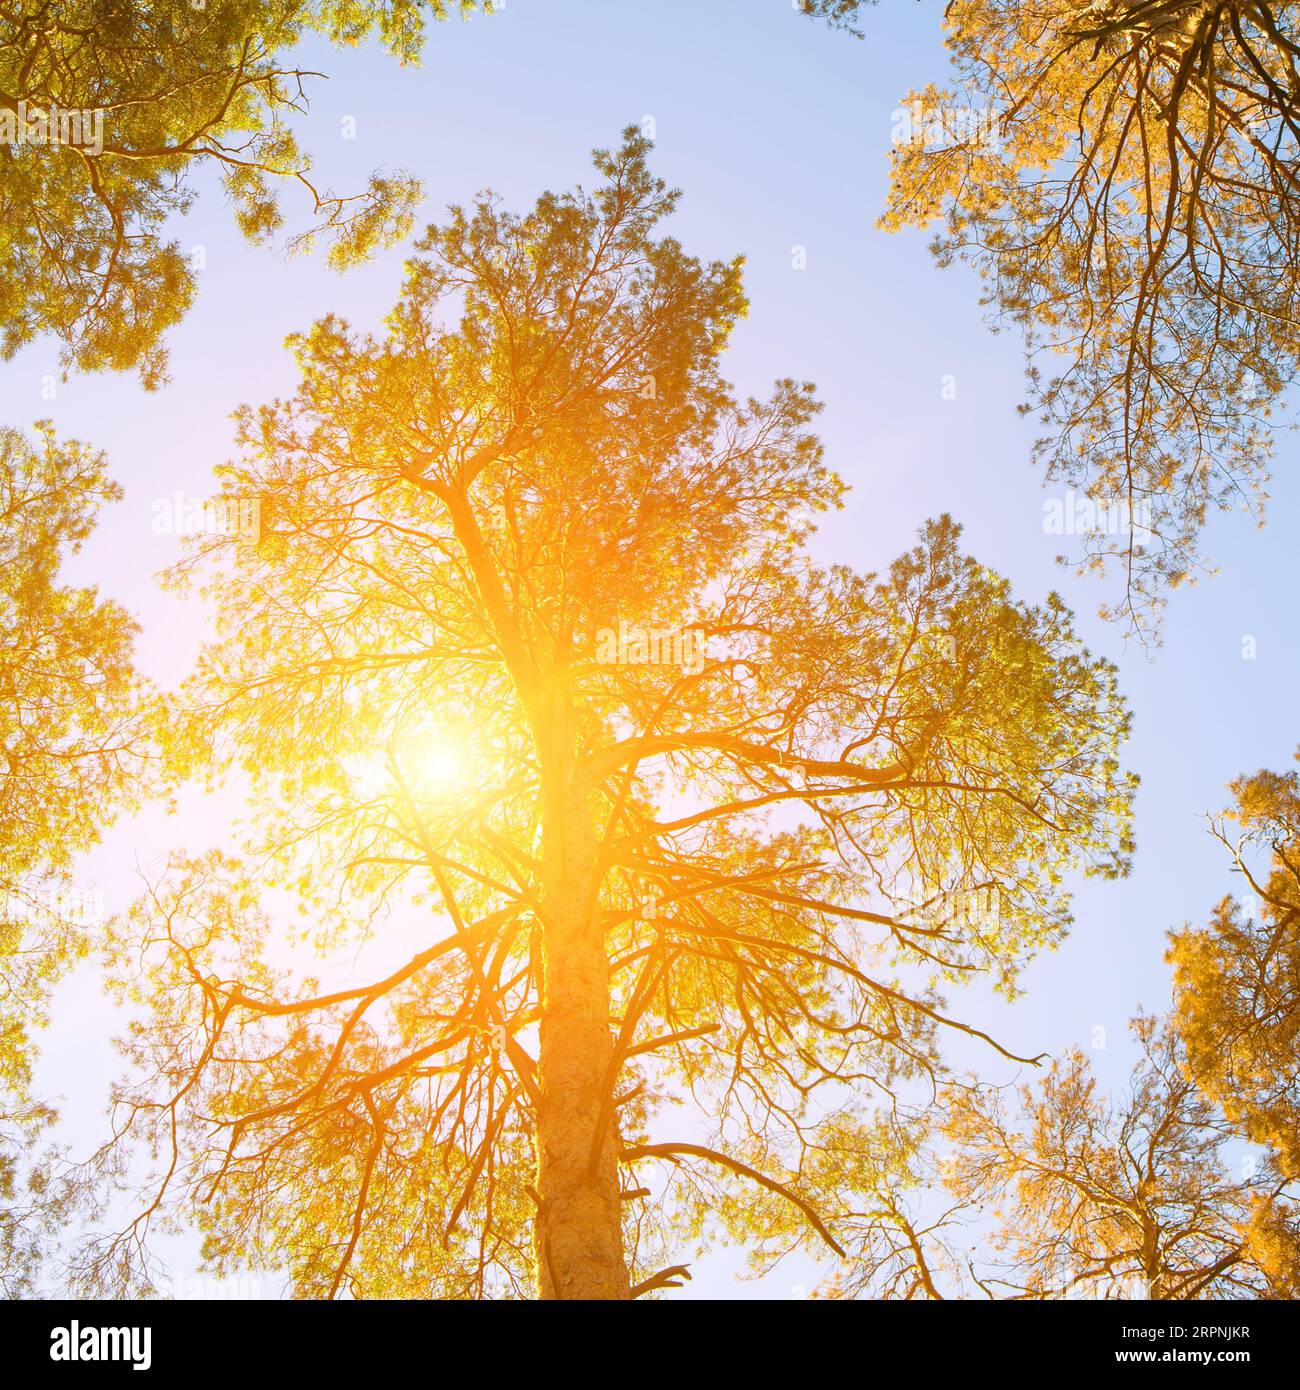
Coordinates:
<point>579,1227</point>
<point>1152,1271</point>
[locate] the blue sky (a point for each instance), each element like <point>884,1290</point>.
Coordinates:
<point>777,130</point>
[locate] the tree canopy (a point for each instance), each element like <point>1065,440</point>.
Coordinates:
<point>539,691</point>
<point>1054,1190</point>
<point>72,752</point>
<point>1133,1198</point>
<point>1237,979</point>
<point>158,91</point>
<point>610,867</point>
<point>1123,175</point>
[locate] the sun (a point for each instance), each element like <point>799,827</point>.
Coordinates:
<point>432,765</point>
<point>440,767</point>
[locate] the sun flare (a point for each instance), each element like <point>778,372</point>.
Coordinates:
<point>440,767</point>
<point>434,765</point>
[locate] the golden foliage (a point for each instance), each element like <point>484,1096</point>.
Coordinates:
<point>161,90</point>
<point>71,754</point>
<point>732,888</point>
<point>1128,194</point>
<point>1237,979</point>
<point>1136,1198</point>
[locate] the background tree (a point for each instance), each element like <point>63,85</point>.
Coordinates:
<point>70,751</point>
<point>1123,174</point>
<point>904,1235</point>
<point>178,86</point>
<point>645,815</point>
<point>841,13</point>
<point>1237,980</point>
<point>1130,1199</point>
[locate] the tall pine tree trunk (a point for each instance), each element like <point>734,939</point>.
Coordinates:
<point>579,1231</point>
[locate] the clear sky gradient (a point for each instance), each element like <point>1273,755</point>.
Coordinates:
<point>777,129</point>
